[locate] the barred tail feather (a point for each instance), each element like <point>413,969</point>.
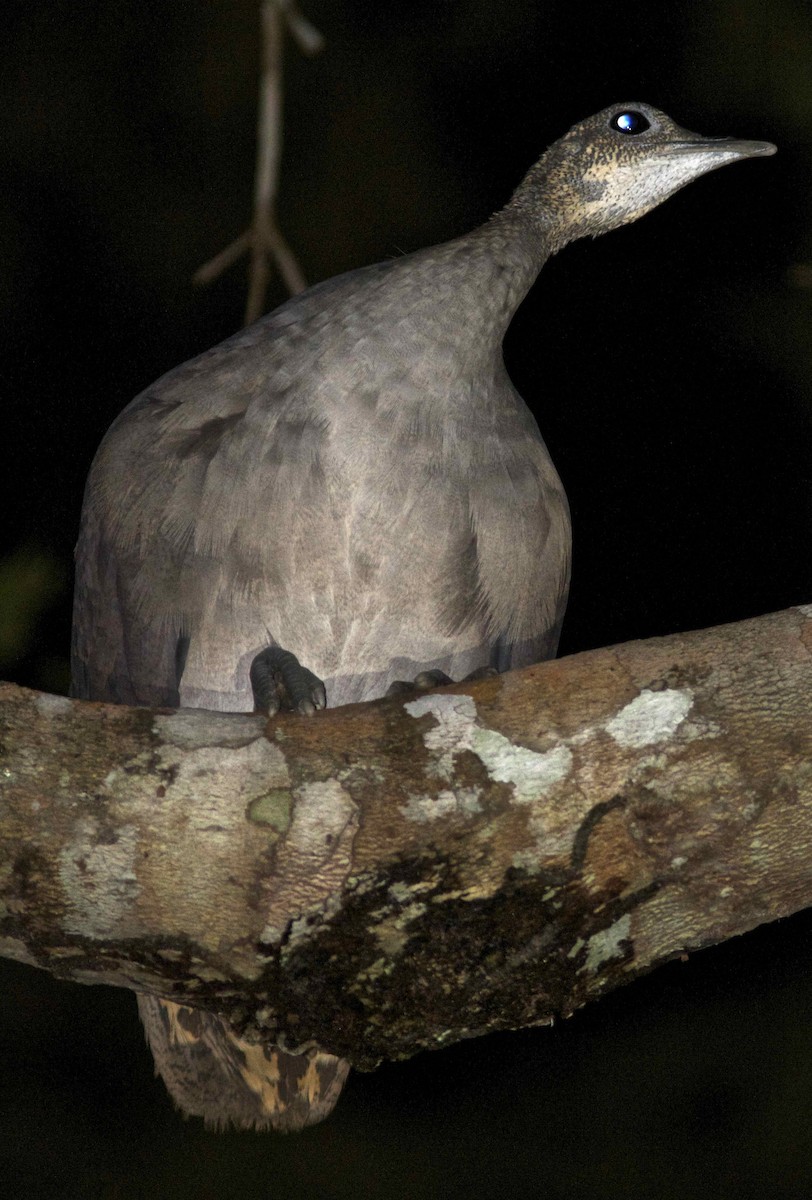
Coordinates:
<point>211,1073</point>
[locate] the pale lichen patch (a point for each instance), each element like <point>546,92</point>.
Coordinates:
<point>607,943</point>
<point>455,724</point>
<point>453,894</point>
<point>99,882</point>
<point>376,970</point>
<point>400,892</point>
<point>651,717</point>
<point>464,802</point>
<point>700,729</point>
<point>527,860</point>
<point>392,933</point>
<point>531,773</point>
<point>52,706</point>
<point>361,884</point>
<point>403,893</point>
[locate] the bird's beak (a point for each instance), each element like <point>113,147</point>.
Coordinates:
<point>724,147</point>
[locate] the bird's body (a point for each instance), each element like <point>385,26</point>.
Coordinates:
<point>327,478</point>
<point>354,479</point>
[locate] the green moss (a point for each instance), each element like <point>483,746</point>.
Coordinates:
<point>272,809</point>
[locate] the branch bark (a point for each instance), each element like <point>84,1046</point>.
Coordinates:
<point>398,875</point>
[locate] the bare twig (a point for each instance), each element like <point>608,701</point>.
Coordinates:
<point>263,238</point>
<point>222,261</point>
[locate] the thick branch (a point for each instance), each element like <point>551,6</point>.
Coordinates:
<point>396,875</point>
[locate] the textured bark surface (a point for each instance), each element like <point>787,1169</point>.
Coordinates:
<point>398,875</point>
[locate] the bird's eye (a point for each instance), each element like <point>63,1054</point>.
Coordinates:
<point>629,122</point>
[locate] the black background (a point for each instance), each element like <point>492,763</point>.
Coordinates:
<point>669,368</point>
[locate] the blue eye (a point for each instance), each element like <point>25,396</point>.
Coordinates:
<point>629,122</point>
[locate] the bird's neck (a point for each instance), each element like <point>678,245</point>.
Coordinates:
<point>517,247</point>
<point>555,203</point>
<point>493,268</point>
<point>486,275</point>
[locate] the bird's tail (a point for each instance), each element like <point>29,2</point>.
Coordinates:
<point>211,1073</point>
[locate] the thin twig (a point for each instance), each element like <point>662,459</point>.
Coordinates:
<point>264,238</point>
<point>222,261</point>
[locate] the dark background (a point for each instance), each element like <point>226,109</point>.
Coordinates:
<point>669,367</point>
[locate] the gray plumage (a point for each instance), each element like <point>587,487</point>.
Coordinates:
<point>354,478</point>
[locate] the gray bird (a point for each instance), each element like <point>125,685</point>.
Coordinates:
<point>346,494</point>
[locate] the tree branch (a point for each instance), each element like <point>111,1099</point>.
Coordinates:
<point>397,875</point>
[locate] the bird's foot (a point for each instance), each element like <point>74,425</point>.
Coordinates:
<point>432,679</point>
<point>279,681</point>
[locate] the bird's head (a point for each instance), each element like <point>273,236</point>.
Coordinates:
<point>612,168</point>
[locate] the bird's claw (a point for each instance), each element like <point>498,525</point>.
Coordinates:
<point>432,679</point>
<point>279,681</point>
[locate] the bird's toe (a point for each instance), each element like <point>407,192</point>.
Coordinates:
<point>279,681</point>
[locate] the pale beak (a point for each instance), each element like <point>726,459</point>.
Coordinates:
<point>730,148</point>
